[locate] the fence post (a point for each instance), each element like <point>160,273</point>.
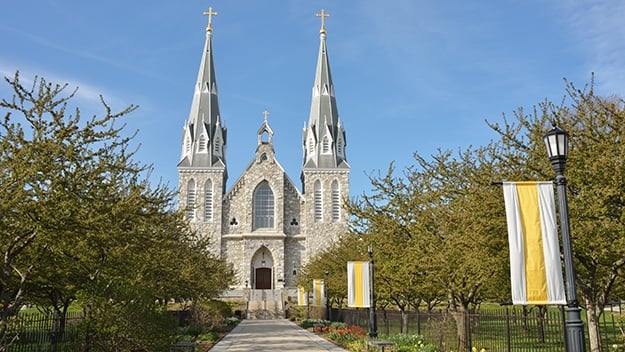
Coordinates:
<point>386,323</point>
<point>418,322</point>
<point>508,332</point>
<point>563,321</point>
<point>55,331</point>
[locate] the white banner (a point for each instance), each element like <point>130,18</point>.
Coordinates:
<point>358,284</point>
<point>535,267</point>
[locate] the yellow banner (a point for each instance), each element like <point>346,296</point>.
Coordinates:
<point>302,296</point>
<point>535,267</point>
<point>318,293</point>
<point>358,284</point>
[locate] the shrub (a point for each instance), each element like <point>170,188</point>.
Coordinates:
<point>126,326</point>
<point>309,323</point>
<point>211,315</point>
<point>209,336</point>
<point>190,330</point>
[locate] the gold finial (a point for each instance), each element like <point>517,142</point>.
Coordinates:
<point>265,114</point>
<point>323,16</point>
<point>210,13</point>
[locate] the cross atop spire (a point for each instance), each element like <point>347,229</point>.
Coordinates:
<point>265,114</point>
<point>323,16</point>
<point>204,138</point>
<point>210,13</point>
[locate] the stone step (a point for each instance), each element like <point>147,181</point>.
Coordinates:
<point>265,304</point>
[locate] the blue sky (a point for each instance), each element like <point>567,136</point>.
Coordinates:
<point>410,75</point>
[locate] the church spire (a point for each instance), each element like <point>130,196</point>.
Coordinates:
<point>204,137</point>
<point>324,137</point>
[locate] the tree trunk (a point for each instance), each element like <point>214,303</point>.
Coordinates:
<point>462,327</point>
<point>404,322</point>
<point>593,313</point>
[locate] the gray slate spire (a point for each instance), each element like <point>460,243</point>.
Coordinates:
<point>324,138</point>
<point>204,137</point>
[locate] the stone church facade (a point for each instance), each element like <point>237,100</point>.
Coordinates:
<point>264,224</point>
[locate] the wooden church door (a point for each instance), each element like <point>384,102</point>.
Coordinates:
<point>263,279</point>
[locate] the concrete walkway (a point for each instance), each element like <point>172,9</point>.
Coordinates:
<point>272,335</point>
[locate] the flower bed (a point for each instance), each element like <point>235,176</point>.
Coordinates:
<point>354,338</point>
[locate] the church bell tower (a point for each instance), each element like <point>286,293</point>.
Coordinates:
<point>202,171</point>
<point>325,171</point>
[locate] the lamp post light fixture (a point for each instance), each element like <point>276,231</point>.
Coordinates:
<point>373,324</point>
<point>557,143</point>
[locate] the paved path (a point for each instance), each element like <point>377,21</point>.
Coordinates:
<point>272,335</point>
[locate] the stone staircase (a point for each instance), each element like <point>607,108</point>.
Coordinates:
<point>265,304</point>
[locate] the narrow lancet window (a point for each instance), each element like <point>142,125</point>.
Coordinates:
<point>318,202</point>
<point>263,207</point>
<point>336,202</point>
<point>208,201</point>
<point>190,210</point>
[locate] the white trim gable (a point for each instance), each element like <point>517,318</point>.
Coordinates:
<point>327,142</point>
<point>187,142</point>
<point>203,141</point>
<point>310,144</point>
<point>340,144</point>
<point>218,141</point>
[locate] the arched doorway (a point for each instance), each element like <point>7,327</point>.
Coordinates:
<point>262,269</point>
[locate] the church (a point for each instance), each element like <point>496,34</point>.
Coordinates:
<point>264,224</point>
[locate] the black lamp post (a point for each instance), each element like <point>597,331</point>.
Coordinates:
<point>373,324</point>
<point>327,296</point>
<point>557,142</point>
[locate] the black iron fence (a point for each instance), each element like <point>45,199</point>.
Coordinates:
<point>34,332</point>
<point>508,328</point>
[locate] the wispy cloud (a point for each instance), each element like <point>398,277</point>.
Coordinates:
<point>598,25</point>
<point>40,41</point>
<point>87,95</point>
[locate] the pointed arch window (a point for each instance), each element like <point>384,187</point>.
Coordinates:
<point>325,146</point>
<point>190,210</point>
<point>202,143</point>
<point>208,200</point>
<point>318,201</point>
<point>263,207</point>
<point>336,201</point>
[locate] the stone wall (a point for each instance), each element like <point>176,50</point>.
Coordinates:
<point>210,228</point>
<point>321,234</point>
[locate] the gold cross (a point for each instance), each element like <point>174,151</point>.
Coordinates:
<point>323,16</point>
<point>210,13</point>
<point>265,114</point>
